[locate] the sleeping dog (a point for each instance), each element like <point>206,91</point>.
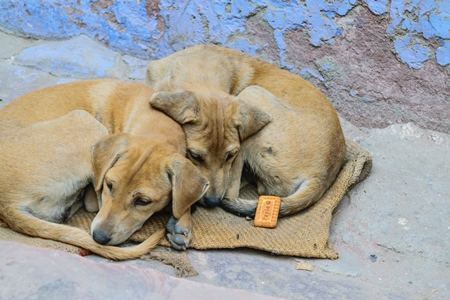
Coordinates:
<point>198,86</point>
<point>136,171</point>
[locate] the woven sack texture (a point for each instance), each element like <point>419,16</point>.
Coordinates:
<point>305,234</point>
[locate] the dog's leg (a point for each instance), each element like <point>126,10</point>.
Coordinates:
<point>79,202</point>
<point>75,207</point>
<point>91,202</point>
<point>188,185</point>
<point>235,177</point>
<point>33,226</point>
<point>179,231</point>
<point>231,202</point>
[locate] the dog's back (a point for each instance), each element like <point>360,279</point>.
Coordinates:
<point>231,71</point>
<point>49,103</point>
<point>198,68</point>
<point>39,176</point>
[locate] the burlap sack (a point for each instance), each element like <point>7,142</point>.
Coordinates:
<point>305,234</point>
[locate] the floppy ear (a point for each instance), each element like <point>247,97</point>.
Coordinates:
<point>106,153</point>
<point>249,119</point>
<point>180,106</point>
<point>188,184</point>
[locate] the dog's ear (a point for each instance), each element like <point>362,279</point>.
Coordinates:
<point>249,119</point>
<point>105,153</point>
<point>181,106</point>
<point>188,184</point>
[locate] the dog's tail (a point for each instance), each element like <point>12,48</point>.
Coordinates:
<point>308,193</point>
<point>33,226</point>
<point>239,206</point>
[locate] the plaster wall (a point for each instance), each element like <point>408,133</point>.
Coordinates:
<point>380,62</point>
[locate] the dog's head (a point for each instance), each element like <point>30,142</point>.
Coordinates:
<point>215,124</point>
<point>135,177</point>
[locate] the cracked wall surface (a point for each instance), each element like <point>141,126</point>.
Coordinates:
<point>380,62</point>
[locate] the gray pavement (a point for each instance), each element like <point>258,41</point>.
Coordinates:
<point>391,231</point>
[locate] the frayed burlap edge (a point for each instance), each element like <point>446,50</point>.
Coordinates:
<point>177,259</point>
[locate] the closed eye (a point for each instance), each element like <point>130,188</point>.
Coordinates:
<point>110,186</point>
<point>194,156</point>
<point>141,202</point>
<point>229,156</point>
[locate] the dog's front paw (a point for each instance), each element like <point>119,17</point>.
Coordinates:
<point>178,236</point>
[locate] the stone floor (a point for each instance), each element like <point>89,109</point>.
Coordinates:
<point>392,231</point>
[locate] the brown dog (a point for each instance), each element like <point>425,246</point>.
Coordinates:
<point>215,124</point>
<point>45,168</point>
<point>136,174</point>
<point>186,75</point>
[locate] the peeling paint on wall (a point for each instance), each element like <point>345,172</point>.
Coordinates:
<point>443,54</point>
<point>412,53</point>
<point>380,62</point>
<point>153,29</point>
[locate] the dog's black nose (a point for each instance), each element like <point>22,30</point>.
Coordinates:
<point>100,237</point>
<point>211,201</point>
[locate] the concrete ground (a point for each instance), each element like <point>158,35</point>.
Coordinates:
<point>391,231</point>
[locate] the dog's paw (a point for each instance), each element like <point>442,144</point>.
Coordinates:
<point>177,236</point>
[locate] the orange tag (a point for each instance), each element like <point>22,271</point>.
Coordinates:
<point>267,211</point>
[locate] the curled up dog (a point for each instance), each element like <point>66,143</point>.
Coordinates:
<point>137,170</point>
<point>297,158</point>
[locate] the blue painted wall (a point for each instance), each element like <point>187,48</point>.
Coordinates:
<point>153,29</point>
<point>379,62</point>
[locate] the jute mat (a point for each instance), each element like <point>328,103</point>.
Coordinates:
<point>305,234</point>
